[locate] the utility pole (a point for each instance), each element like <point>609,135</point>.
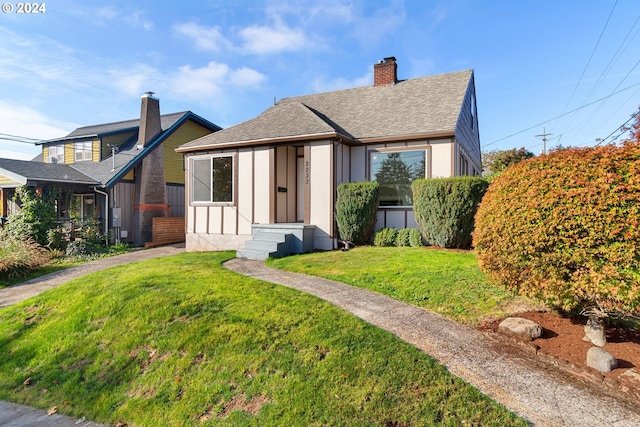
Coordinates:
<point>544,135</point>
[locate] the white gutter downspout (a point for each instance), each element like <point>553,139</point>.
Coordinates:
<point>106,213</point>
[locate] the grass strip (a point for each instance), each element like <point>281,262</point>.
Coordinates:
<point>181,341</point>
<point>447,282</point>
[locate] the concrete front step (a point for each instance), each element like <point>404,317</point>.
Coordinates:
<point>252,254</point>
<point>277,240</point>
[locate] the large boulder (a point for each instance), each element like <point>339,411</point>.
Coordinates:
<point>601,360</point>
<point>522,329</point>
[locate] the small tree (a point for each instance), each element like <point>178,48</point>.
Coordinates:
<point>37,215</point>
<point>499,160</point>
<point>356,209</point>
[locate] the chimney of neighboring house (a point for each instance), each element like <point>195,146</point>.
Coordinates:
<point>385,72</point>
<point>149,119</point>
<point>151,189</point>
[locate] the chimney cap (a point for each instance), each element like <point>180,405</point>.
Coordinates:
<point>390,59</point>
<point>149,95</point>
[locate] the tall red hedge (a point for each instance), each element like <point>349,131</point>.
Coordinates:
<point>565,228</point>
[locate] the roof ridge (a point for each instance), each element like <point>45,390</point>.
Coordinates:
<point>290,99</point>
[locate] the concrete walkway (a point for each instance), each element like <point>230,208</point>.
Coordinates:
<point>519,380</point>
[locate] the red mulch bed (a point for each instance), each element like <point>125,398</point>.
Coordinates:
<point>562,340</point>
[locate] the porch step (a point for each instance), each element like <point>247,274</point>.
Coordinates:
<point>277,240</point>
<point>266,245</point>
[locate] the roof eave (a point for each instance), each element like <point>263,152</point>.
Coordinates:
<point>407,137</point>
<point>264,141</point>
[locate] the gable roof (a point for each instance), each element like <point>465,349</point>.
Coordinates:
<point>166,121</point>
<point>102,173</point>
<point>422,106</point>
<point>25,171</point>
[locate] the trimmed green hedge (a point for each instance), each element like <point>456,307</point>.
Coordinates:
<point>385,237</point>
<point>565,228</point>
<point>445,209</point>
<point>356,209</point>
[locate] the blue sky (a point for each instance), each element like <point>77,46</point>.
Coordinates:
<point>82,63</point>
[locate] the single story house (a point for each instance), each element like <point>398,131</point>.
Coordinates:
<point>121,174</point>
<point>279,171</point>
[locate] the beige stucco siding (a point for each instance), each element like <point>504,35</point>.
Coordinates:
<point>441,160</point>
<point>262,185</point>
<point>228,226</point>
<point>358,159</point>
<point>244,193</point>
<point>321,178</point>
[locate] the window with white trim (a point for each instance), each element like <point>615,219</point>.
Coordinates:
<point>83,151</point>
<point>56,154</point>
<point>212,179</point>
<point>394,172</point>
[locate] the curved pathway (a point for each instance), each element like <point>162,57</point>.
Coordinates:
<point>519,380</point>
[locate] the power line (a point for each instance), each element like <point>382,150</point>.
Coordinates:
<point>621,127</point>
<point>590,57</point>
<point>561,115</point>
<point>16,138</point>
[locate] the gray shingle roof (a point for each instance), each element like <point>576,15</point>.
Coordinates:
<point>416,106</point>
<point>103,172</point>
<point>37,171</point>
<point>166,121</point>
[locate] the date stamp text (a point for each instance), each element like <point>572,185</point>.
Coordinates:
<point>24,8</point>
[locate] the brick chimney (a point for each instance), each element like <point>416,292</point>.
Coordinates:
<point>151,189</point>
<point>149,119</point>
<point>385,72</point>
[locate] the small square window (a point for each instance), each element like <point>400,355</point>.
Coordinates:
<point>212,179</point>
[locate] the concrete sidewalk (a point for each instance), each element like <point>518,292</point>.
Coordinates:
<point>520,381</point>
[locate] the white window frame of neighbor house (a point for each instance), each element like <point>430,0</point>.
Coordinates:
<point>56,154</point>
<point>204,166</point>
<point>83,151</point>
<point>384,201</point>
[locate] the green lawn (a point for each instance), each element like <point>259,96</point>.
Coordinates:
<point>182,341</point>
<point>444,281</point>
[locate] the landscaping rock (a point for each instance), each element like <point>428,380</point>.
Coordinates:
<point>594,332</point>
<point>522,329</point>
<point>601,360</point>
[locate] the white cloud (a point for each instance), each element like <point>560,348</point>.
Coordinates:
<point>137,20</point>
<point>264,40</point>
<point>244,77</point>
<point>28,123</point>
<point>135,80</point>
<point>211,80</point>
<point>205,38</point>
